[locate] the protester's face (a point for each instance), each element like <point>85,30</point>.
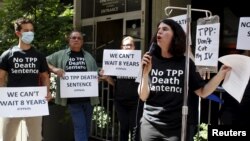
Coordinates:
<point>128,45</point>
<point>25,28</point>
<point>75,41</point>
<point>164,35</point>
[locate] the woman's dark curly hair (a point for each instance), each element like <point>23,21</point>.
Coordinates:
<point>178,45</point>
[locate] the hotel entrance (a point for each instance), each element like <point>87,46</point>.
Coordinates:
<point>108,36</point>
<point>104,24</point>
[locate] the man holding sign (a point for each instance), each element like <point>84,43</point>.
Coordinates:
<point>67,64</point>
<point>23,66</point>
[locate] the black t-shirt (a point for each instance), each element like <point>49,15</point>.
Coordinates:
<point>76,63</point>
<point>239,111</point>
<point>244,113</point>
<point>126,89</point>
<point>23,66</point>
<point>164,104</point>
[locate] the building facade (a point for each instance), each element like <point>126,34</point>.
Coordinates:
<point>106,22</point>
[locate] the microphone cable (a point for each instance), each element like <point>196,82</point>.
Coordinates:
<point>150,52</point>
<point>134,132</point>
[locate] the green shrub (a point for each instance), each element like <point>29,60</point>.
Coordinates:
<point>201,135</point>
<point>101,117</point>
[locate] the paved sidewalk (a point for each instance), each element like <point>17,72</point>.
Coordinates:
<point>22,132</point>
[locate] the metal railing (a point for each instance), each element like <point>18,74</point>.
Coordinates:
<point>104,125</point>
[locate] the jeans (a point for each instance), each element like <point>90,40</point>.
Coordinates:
<point>81,115</point>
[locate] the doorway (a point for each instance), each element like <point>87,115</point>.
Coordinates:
<point>108,36</point>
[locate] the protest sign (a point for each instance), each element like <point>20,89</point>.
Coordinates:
<point>121,62</point>
<point>243,38</point>
<point>79,84</point>
<point>207,44</point>
<point>23,101</point>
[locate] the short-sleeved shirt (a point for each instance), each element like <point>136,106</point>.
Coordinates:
<point>76,63</point>
<point>167,77</point>
<point>23,66</point>
<point>59,59</point>
<point>126,89</point>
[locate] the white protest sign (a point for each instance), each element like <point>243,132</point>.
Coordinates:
<point>243,39</point>
<point>237,79</point>
<point>121,62</point>
<point>79,84</point>
<point>207,44</point>
<point>181,20</point>
<point>23,101</point>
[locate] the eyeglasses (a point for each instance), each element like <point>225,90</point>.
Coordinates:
<point>75,37</point>
<point>127,45</point>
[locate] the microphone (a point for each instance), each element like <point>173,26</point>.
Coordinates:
<point>152,48</point>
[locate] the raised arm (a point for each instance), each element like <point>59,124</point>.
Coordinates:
<point>143,88</point>
<point>210,87</point>
<point>106,78</point>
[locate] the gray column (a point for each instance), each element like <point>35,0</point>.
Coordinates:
<point>77,15</point>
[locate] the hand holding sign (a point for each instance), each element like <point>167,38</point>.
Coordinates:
<point>79,84</point>
<point>237,80</point>
<point>23,101</point>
